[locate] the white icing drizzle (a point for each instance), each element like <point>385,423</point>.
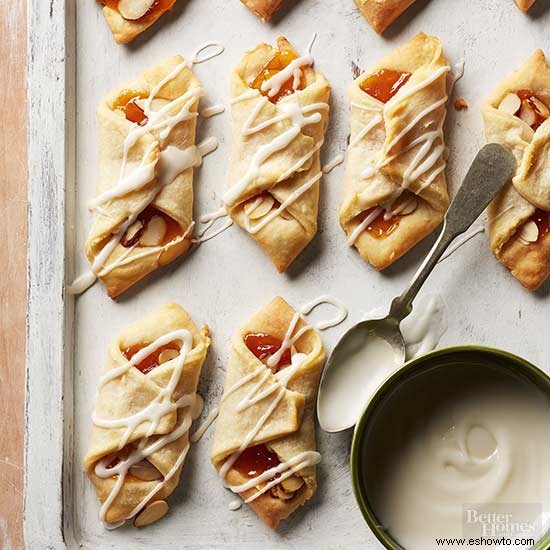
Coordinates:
<point>461,242</point>
<point>152,414</point>
<point>325,299</point>
<point>455,75</point>
<point>208,145</point>
<point>293,70</point>
<point>218,49</point>
<point>235,505</point>
<point>209,220</point>
<point>213,110</point>
<point>331,165</point>
<point>424,160</point>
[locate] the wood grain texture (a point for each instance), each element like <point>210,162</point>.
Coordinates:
<point>13,235</point>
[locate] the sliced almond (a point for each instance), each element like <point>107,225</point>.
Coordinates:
<point>529,232</point>
<point>262,208</point>
<point>510,104</point>
<point>280,493</point>
<point>527,114</point>
<point>145,471</point>
<point>167,355</point>
<point>286,215</point>
<point>406,207</point>
<point>541,108</point>
<point>134,9</point>
<point>154,232</point>
<point>153,512</point>
<point>132,234</point>
<point>292,484</point>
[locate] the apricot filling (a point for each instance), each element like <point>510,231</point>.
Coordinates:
<point>380,227</point>
<point>161,355</point>
<point>280,60</point>
<point>542,219</point>
<point>263,346</point>
<point>126,101</point>
<point>151,228</point>
<point>384,84</point>
<point>527,106</point>
<point>141,13</point>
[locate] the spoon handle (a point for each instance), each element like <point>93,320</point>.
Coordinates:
<point>491,169</point>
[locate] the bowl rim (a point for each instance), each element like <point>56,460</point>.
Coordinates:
<point>511,361</point>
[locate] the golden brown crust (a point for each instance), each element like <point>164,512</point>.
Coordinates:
<point>382,13</point>
<point>125,30</point>
<point>264,9</point>
<point>524,5</point>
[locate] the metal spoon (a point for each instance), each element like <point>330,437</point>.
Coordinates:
<point>345,387</point>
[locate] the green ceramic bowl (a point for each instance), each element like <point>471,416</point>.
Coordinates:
<point>443,358</point>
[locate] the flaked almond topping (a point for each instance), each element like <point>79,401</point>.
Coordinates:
<point>407,207</point>
<point>134,9</point>
<point>292,484</point>
<point>527,114</point>
<point>510,104</point>
<point>529,233</point>
<point>154,232</point>
<point>153,512</point>
<point>145,471</point>
<point>168,355</point>
<point>260,207</point>
<point>286,215</point>
<point>280,493</point>
<point>541,108</point>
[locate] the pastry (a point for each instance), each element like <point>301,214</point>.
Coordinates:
<point>264,446</point>
<point>524,5</point>
<point>279,107</point>
<point>382,13</point>
<point>395,191</point>
<point>144,203</point>
<point>264,9</point>
<point>146,402</point>
<point>129,18</point>
<point>516,116</point>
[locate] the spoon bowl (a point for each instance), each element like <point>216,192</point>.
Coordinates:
<point>351,375</point>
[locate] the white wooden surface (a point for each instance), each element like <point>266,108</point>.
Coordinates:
<point>228,278</point>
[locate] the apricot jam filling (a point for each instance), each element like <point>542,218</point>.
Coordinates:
<point>154,359</point>
<point>280,60</point>
<point>256,460</point>
<point>126,101</point>
<point>542,219</point>
<point>384,84</point>
<point>263,346</point>
<point>380,227</point>
<point>151,228</point>
<point>157,8</point>
<point>533,108</point>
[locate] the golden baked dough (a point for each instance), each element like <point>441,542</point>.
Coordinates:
<point>275,152</point>
<point>517,203</point>
<point>149,177</point>
<point>282,420</point>
<point>524,5</point>
<point>395,171</point>
<point>382,13</point>
<point>264,9</point>
<point>125,30</point>
<point>165,396</point>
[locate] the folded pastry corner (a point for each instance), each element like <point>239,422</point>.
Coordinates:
<point>382,13</point>
<point>264,9</point>
<point>524,5</point>
<point>144,203</point>
<point>264,446</point>
<point>129,18</point>
<point>146,402</point>
<point>517,116</point>
<point>279,107</point>
<point>395,191</point>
